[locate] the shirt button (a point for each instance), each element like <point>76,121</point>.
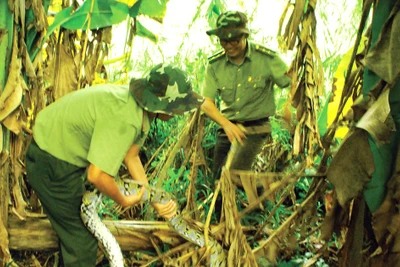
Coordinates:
<point>255,85</point>
<point>239,84</point>
<point>238,69</point>
<point>237,99</point>
<point>237,112</point>
<point>250,79</point>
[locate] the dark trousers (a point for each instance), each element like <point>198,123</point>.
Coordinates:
<point>60,187</point>
<point>244,156</point>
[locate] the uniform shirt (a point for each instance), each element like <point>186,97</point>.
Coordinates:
<point>246,90</point>
<point>95,125</point>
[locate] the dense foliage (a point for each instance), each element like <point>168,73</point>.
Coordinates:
<point>82,41</point>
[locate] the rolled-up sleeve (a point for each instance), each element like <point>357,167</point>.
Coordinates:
<point>110,142</point>
<point>279,72</point>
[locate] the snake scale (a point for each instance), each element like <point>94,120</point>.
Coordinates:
<point>112,250</point>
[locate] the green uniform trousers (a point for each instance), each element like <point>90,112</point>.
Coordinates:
<point>60,187</point>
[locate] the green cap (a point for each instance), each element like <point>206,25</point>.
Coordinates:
<point>230,24</point>
<point>166,90</point>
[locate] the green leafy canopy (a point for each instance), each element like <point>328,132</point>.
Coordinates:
<point>94,14</point>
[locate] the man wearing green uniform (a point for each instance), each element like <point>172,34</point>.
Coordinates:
<point>243,74</point>
<point>88,134</point>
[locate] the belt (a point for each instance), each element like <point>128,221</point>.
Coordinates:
<point>252,122</point>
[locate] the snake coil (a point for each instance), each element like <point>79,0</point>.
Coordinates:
<point>112,250</point>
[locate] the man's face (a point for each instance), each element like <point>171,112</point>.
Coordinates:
<point>234,47</point>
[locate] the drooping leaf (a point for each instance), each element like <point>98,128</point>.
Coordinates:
<point>351,167</point>
<point>65,66</point>
<point>154,9</point>
<point>144,32</point>
<point>13,123</point>
<point>375,121</point>
<point>10,97</point>
<point>337,89</point>
<point>383,57</point>
<point>35,16</point>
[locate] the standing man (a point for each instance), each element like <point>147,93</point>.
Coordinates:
<point>243,74</point>
<point>87,134</point>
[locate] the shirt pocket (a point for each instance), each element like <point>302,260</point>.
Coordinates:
<point>228,95</point>
<point>257,84</point>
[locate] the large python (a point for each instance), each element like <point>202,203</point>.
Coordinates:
<point>112,250</point>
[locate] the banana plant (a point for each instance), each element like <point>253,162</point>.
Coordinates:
<point>97,14</point>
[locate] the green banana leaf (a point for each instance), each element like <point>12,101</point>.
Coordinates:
<point>107,13</point>
<point>215,9</point>
<point>134,10</point>
<point>154,9</point>
<point>104,13</point>
<point>323,117</point>
<point>31,31</point>
<point>144,32</point>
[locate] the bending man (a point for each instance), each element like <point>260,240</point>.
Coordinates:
<point>88,134</point>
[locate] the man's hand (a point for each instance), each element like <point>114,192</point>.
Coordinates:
<point>233,132</point>
<point>165,210</point>
<point>106,184</point>
<point>136,170</point>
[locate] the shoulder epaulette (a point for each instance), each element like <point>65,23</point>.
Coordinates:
<point>265,50</point>
<point>216,56</point>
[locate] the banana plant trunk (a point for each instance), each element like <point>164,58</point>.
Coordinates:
<point>6,35</point>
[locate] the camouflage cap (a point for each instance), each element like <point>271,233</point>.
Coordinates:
<point>230,24</point>
<point>166,90</point>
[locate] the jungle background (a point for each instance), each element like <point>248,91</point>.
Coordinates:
<point>323,193</point>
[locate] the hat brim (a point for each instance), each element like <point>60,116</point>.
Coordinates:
<point>227,33</point>
<point>143,94</point>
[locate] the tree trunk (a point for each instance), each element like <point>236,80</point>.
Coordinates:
<point>37,234</point>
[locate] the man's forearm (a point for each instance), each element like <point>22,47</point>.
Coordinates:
<point>134,165</point>
<point>211,110</point>
<point>106,184</point>
<point>136,170</point>
<point>231,130</point>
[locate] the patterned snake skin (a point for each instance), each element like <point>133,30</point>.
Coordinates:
<point>112,250</point>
